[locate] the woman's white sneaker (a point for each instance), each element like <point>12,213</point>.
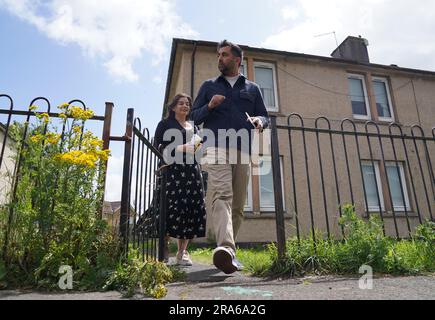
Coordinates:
<point>184,260</point>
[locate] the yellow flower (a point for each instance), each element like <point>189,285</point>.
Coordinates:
<point>33,107</point>
<point>63,106</point>
<point>160,291</point>
<point>46,117</point>
<point>63,115</point>
<point>78,157</point>
<point>96,143</point>
<point>77,129</point>
<point>53,138</point>
<point>104,154</point>
<point>79,113</point>
<point>36,138</point>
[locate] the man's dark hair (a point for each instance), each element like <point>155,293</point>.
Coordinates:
<point>235,49</point>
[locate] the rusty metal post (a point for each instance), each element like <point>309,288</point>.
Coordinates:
<point>106,144</point>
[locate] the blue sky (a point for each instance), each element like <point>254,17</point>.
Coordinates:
<point>118,51</point>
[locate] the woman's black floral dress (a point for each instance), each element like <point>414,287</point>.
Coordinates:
<point>184,193</point>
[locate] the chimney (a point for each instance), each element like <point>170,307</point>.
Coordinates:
<point>353,48</point>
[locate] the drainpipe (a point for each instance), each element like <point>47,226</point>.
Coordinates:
<point>416,103</point>
<point>192,70</point>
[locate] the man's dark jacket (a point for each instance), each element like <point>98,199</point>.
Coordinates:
<point>244,97</point>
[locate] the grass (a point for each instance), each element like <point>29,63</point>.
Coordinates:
<point>364,244</point>
<point>255,260</point>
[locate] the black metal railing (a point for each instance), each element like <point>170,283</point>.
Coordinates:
<point>143,212</point>
<point>382,169</point>
<point>19,146</point>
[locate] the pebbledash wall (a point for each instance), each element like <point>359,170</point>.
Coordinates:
<point>8,167</point>
<point>314,86</point>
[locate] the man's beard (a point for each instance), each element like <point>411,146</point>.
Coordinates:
<point>225,69</point>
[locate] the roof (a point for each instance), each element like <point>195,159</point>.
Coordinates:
<point>305,56</point>
<point>177,41</point>
<point>113,206</point>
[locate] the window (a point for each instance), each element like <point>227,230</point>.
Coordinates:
<point>372,185</point>
<point>264,196</point>
<point>383,99</point>
<point>265,77</point>
<point>358,96</point>
<point>396,179</point>
<point>267,195</point>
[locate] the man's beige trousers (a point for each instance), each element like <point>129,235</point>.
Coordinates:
<point>226,193</point>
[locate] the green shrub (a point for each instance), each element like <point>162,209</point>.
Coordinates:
<point>364,244</point>
<point>53,219</point>
<point>149,276</point>
<point>414,256</point>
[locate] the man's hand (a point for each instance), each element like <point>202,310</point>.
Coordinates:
<point>256,122</point>
<point>216,101</point>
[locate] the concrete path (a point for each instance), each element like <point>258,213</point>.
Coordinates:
<point>205,282</point>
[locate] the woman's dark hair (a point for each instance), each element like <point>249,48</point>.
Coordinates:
<point>171,113</point>
<point>235,49</point>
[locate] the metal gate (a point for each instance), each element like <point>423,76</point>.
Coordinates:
<point>142,220</point>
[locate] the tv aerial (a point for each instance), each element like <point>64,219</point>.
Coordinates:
<point>326,34</point>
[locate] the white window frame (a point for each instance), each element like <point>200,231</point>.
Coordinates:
<point>249,204</point>
<point>272,209</point>
<point>275,82</point>
<point>404,185</point>
<point>366,98</point>
<point>390,105</point>
<point>379,185</point>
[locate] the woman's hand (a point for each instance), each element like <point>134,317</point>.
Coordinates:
<point>189,149</point>
<point>186,148</point>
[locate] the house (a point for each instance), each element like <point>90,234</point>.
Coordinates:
<point>398,187</point>
<point>112,213</point>
<point>7,164</point>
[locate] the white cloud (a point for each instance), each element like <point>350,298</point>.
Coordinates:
<point>114,179</point>
<point>399,32</point>
<point>118,31</point>
<point>158,79</point>
<point>115,167</point>
<point>289,13</point>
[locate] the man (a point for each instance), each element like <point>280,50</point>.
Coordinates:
<point>229,103</point>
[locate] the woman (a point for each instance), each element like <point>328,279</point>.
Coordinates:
<point>184,194</point>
